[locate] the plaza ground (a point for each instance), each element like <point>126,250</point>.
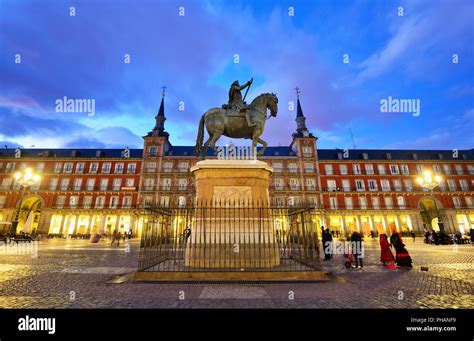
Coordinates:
<point>74,274</point>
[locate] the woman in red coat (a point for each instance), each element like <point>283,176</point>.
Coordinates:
<point>386,255</point>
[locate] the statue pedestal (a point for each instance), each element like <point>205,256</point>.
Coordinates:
<point>233,227</point>
<point>232,180</point>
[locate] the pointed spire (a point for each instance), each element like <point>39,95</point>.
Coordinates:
<point>161,112</point>
<point>299,111</point>
<point>300,119</point>
<point>159,129</point>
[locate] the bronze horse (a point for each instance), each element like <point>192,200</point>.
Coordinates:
<point>218,122</point>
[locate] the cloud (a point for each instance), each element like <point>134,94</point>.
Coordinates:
<point>449,135</point>
<point>425,37</point>
<point>83,57</point>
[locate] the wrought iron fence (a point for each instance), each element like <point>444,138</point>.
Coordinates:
<point>229,237</point>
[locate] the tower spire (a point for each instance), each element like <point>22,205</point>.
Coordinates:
<point>300,118</point>
<point>159,129</point>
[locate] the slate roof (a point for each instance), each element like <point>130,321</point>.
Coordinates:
<point>323,154</point>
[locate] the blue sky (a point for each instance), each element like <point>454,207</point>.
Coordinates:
<point>407,56</point>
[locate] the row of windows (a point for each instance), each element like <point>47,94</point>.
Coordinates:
<point>294,184</point>
<point>151,167</point>
<point>278,184</point>
<point>74,184</point>
<point>130,168</point>
<point>78,167</point>
<point>100,202</point>
<point>396,169</point>
<point>87,202</point>
<point>386,185</point>
<point>126,202</point>
<point>388,202</point>
<point>149,184</point>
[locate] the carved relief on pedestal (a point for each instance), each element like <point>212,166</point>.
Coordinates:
<point>231,194</point>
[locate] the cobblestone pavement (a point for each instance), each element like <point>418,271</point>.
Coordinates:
<point>74,274</point>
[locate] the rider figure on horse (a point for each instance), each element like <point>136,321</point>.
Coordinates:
<point>237,103</point>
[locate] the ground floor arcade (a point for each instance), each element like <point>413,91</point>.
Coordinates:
<point>342,222</point>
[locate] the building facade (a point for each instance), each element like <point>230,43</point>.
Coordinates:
<point>83,191</point>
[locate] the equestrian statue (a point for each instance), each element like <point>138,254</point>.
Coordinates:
<point>236,119</point>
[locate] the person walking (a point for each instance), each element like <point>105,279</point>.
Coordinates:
<point>386,255</point>
<point>114,237</point>
<point>402,256</point>
<point>356,244</point>
<point>327,243</point>
<point>413,235</point>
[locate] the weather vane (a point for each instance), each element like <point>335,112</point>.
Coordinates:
<point>164,90</point>
<point>297,90</point>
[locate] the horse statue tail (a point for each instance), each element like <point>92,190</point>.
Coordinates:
<point>200,137</point>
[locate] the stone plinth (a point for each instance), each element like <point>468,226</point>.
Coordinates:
<point>232,225</point>
<point>229,180</point>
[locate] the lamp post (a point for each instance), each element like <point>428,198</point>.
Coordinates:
<point>24,179</point>
<point>430,183</point>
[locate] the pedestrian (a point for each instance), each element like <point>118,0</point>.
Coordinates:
<point>327,243</point>
<point>114,237</point>
<point>402,256</point>
<point>427,237</point>
<point>435,237</point>
<point>413,235</point>
<point>471,232</point>
<point>187,233</point>
<point>356,244</point>
<point>386,255</point>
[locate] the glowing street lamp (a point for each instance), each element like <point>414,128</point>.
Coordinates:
<point>430,183</point>
<point>427,180</point>
<point>24,179</point>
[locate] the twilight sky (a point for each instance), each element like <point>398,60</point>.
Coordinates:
<point>407,56</point>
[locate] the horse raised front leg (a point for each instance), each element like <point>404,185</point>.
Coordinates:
<point>264,146</point>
